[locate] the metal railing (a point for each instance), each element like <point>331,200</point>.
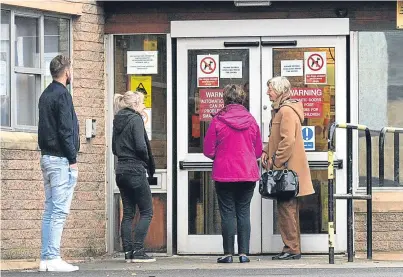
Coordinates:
<point>396,164</point>
<point>349,196</point>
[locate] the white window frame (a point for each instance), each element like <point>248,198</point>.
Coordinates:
<point>354,114</point>
<point>13,69</point>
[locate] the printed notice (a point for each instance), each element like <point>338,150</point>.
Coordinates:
<point>146,115</point>
<point>231,70</point>
<point>142,84</point>
<point>312,100</point>
<point>399,15</point>
<point>308,135</point>
<point>211,101</point>
<point>3,78</point>
<point>142,62</point>
<point>315,68</point>
<point>291,68</point>
<point>207,71</point>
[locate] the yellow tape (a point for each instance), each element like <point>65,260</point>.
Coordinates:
<point>361,127</point>
<point>331,234</point>
<point>342,125</point>
<point>330,168</point>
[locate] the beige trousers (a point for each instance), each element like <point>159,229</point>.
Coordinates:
<point>288,221</point>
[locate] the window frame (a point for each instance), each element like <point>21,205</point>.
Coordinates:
<point>41,71</point>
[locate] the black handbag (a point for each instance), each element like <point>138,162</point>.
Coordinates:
<point>280,184</point>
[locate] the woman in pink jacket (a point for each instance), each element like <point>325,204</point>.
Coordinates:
<point>234,143</point>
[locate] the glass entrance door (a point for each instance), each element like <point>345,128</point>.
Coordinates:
<point>316,68</point>
<point>205,66</point>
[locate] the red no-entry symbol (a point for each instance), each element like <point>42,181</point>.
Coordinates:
<point>315,62</point>
<point>208,65</point>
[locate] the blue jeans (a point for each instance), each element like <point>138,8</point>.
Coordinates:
<point>59,181</point>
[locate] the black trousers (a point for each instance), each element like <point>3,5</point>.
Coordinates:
<point>134,191</point>
<point>234,202</point>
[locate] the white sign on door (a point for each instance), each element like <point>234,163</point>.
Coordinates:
<point>315,68</point>
<point>142,62</point>
<point>208,74</point>
<point>146,114</point>
<point>231,70</point>
<point>291,68</point>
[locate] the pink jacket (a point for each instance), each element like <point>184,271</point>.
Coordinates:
<point>233,141</point>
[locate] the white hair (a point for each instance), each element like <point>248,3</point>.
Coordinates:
<point>280,85</point>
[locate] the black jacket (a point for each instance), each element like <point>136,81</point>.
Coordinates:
<point>58,130</point>
<point>130,143</point>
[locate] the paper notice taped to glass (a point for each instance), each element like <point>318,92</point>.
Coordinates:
<point>399,15</point>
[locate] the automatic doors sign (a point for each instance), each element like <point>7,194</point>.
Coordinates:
<point>207,71</point>
<point>312,100</point>
<point>315,68</point>
<point>308,135</point>
<point>211,101</point>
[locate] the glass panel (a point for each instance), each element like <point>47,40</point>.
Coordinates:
<point>206,98</point>
<point>204,215</point>
<point>315,88</point>
<point>380,74</point>
<point>57,41</point>
<point>156,239</point>
<point>28,92</point>
<point>27,42</point>
<point>154,83</point>
<point>313,209</point>
<point>5,69</point>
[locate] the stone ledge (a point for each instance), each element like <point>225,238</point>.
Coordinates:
<point>381,256</point>
<point>382,202</point>
<point>59,6</point>
<point>18,140</point>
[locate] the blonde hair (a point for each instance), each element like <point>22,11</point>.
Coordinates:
<point>130,99</point>
<point>280,85</point>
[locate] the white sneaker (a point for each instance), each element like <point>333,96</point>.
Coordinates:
<point>57,265</point>
<point>42,265</point>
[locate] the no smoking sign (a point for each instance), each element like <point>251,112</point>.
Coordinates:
<point>207,71</point>
<point>315,68</point>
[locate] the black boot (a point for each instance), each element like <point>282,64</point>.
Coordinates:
<point>140,256</point>
<point>287,256</point>
<point>225,260</point>
<point>129,256</point>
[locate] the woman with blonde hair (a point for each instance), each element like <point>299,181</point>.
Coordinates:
<point>234,144</point>
<point>286,149</point>
<point>131,145</point>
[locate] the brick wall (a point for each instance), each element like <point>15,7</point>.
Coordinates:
<point>21,180</point>
<point>387,231</point>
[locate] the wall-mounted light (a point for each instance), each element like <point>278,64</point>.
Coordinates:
<point>252,3</point>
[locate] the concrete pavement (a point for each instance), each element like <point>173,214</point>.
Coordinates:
<point>189,266</point>
<point>284,272</point>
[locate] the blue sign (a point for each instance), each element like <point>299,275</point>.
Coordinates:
<point>308,135</point>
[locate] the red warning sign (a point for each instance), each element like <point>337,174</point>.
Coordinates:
<point>211,101</point>
<point>315,68</point>
<point>208,65</point>
<point>312,100</point>
<point>207,72</point>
